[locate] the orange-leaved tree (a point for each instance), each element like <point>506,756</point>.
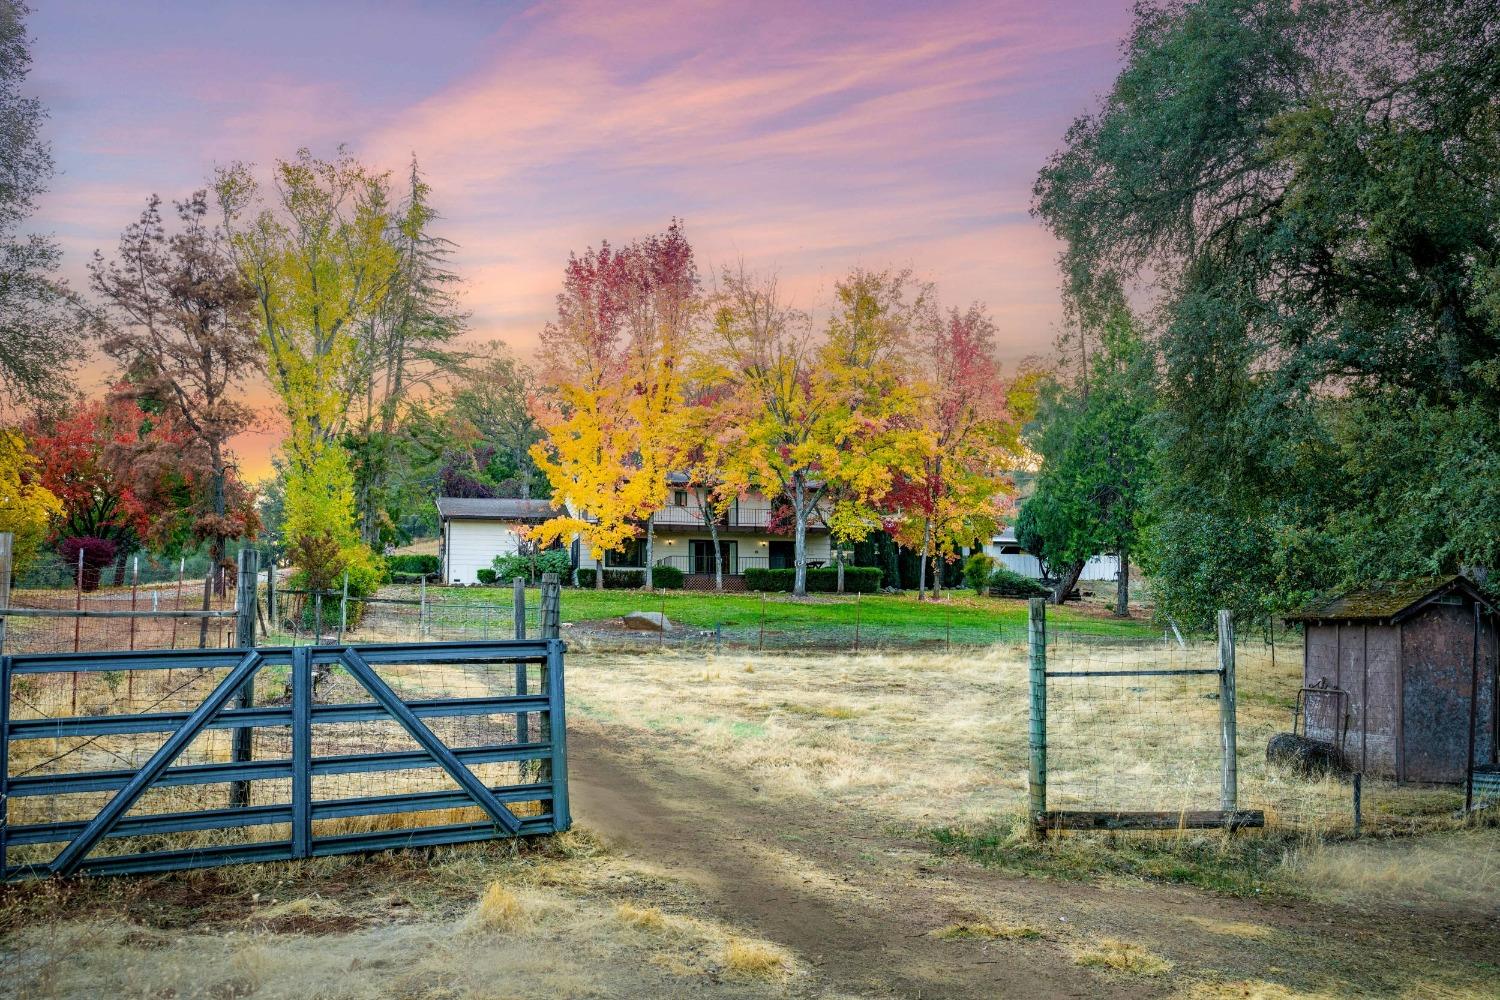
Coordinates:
<point>966,440</point>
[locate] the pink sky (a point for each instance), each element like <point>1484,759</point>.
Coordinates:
<point>804,138</point>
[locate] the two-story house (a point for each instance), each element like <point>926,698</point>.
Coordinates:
<point>473,532</point>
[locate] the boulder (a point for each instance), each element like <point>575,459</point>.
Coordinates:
<point>647,621</point>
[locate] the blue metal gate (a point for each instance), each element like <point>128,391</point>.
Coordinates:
<point>236,755</point>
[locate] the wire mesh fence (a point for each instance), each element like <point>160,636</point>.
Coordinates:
<point>1137,726</point>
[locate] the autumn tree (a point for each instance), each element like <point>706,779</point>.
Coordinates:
<point>582,408</point>
<point>27,509</point>
<point>823,422</point>
<point>708,430</point>
<point>316,254</point>
<point>964,441</point>
<point>40,321</point>
<point>661,309</point>
<point>613,376</point>
<point>181,327</point>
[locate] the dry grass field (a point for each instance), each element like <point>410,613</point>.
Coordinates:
<point>835,826</point>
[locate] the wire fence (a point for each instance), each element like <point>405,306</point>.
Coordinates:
<point>1137,726</point>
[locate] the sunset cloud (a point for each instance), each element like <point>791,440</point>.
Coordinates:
<point>804,138</point>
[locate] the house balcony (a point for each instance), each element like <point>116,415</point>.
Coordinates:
<point>739,517</point>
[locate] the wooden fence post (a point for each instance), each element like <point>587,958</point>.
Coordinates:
<point>1036,638</point>
<point>7,550</point>
<point>244,638</point>
<point>551,606</point>
<point>518,605</point>
<point>1228,740</point>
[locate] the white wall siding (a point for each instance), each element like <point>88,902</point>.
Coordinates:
<point>474,544</point>
<point>1097,569</point>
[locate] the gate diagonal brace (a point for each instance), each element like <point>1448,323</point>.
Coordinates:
<point>70,857</point>
<point>427,739</point>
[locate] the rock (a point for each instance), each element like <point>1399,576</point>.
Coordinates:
<point>647,621</point>
<point>1305,757</point>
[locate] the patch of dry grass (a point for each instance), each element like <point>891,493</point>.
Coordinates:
<point>1114,955</point>
<point>984,931</point>
<point>1456,869</point>
<point>500,909</point>
<point>1246,989</point>
<point>747,959</point>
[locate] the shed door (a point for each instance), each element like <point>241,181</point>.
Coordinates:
<point>1436,648</point>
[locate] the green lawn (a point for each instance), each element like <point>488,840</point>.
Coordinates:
<point>966,616</point>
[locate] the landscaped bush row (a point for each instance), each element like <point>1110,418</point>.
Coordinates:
<point>663,577</point>
<point>529,567</point>
<point>821,580</point>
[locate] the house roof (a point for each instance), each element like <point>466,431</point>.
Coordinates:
<point>1393,600</point>
<point>496,509</point>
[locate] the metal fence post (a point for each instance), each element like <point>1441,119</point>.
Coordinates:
<point>557,736</point>
<point>1036,637</point>
<point>302,697</point>
<point>244,638</point>
<point>344,608</point>
<point>271,593</point>
<point>422,609</point>
<point>856,621</point>
<point>1229,794</point>
<point>518,605</point>
<point>762,644</point>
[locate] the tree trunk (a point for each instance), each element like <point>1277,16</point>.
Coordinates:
<point>1122,589</point>
<point>599,573</point>
<point>120,557</point>
<point>1068,582</point>
<point>650,549</point>
<point>799,536</point>
<point>922,563</point>
<point>713,534</point>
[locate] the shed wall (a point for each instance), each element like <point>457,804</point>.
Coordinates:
<point>472,545</point>
<point>1437,656</point>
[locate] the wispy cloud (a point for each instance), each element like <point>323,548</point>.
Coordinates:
<point>801,137</point>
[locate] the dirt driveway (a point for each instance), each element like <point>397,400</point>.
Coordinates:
<point>864,906</point>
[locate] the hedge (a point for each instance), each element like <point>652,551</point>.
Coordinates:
<point>820,580</point>
<point>665,577</point>
<point>1007,583</point>
<point>486,577</point>
<point>411,565</point>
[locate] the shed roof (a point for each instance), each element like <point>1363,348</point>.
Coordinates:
<point>1391,601</point>
<point>496,509</point>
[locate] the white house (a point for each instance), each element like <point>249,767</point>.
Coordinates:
<point>1007,551</point>
<point>473,532</point>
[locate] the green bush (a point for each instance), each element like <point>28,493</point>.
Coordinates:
<point>666,577</point>
<point>487,577</point>
<point>977,571</point>
<point>531,567</point>
<point>614,579</point>
<point>413,565</point>
<point>821,580</point>
<point>1008,583</point>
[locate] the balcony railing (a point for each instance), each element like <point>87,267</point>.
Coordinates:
<point>734,565</point>
<point>752,516</point>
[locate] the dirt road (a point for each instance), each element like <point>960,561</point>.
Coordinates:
<point>859,902</point>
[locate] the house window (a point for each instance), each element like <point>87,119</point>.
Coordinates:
<point>783,555</point>
<point>679,498</point>
<point>630,555</point>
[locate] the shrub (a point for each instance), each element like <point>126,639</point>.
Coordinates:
<point>1008,583</point>
<point>329,564</point>
<point>666,577</point>
<point>97,554</point>
<point>820,580</point>
<point>413,565</point>
<point>614,579</point>
<point>530,567</point>
<point>488,577</point>
<point>977,571</point>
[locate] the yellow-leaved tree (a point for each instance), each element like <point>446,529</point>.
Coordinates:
<point>613,381</point>
<point>316,252</point>
<point>824,424</point>
<point>27,510</point>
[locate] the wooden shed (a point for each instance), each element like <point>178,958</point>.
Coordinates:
<point>1392,677</point>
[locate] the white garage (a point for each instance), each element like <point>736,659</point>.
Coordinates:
<point>474,531</point>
